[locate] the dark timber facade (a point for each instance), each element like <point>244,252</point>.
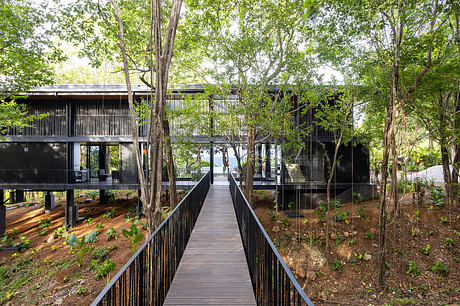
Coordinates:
<point>70,149</point>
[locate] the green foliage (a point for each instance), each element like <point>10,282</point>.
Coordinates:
<point>340,216</point>
<point>60,232</point>
<point>443,220</point>
<point>323,207</point>
<point>412,268</point>
<point>10,235</point>
<point>82,290</point>
<point>110,214</point>
<point>357,197</point>
<point>104,270</point>
<point>112,233</point>
<point>44,224</point>
<point>370,235</point>
<point>337,265</point>
<point>99,253</point>
<point>439,268</point>
<point>134,237</point>
<point>285,221</point>
<point>426,250</point>
<point>81,246</point>
<point>23,244</point>
<point>165,210</point>
<point>361,213</point>
<point>99,226</point>
<point>449,242</point>
<point>89,220</point>
<point>436,196</point>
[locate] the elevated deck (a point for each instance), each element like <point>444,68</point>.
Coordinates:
<point>213,269</point>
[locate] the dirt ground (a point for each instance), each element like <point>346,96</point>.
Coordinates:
<point>349,277</point>
<point>47,273</point>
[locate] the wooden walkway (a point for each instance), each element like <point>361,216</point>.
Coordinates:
<point>213,269</point>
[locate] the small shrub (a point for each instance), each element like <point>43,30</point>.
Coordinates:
<point>361,213</point>
<point>81,246</point>
<point>112,233</point>
<point>340,216</point>
<point>110,214</point>
<point>351,241</point>
<point>286,222</point>
<point>443,220</point>
<point>337,265</point>
<point>426,250</point>
<point>357,197</point>
<point>417,215</point>
<point>89,220</point>
<point>99,253</point>
<point>113,246</point>
<point>436,196</point>
<point>412,268</point>
<point>370,235</point>
<point>104,270</point>
<point>82,290</point>
<point>134,237</point>
<point>99,226</point>
<point>53,248</point>
<point>449,242</point>
<point>439,268</point>
<point>60,232</point>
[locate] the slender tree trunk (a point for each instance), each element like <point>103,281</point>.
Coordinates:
<point>238,162</point>
<point>170,163</point>
<point>249,180</point>
<point>394,174</point>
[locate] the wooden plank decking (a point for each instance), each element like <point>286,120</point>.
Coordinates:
<point>213,269</point>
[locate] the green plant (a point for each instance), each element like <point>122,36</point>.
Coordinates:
<point>337,265</point>
<point>53,248</point>
<point>436,196</point>
<point>113,246</point>
<point>286,222</point>
<point>112,233</point>
<point>361,213</point>
<point>10,235</point>
<point>449,242</point>
<point>443,220</point>
<point>99,226</point>
<point>275,215</point>
<point>81,246</point>
<point>134,237</point>
<point>44,224</point>
<point>417,215</point>
<point>426,250</point>
<point>89,220</point>
<point>99,253</point>
<point>60,232</point>
<point>23,245</point>
<point>131,211</point>
<point>412,268</point>
<point>370,235</point>
<point>82,290</point>
<point>350,241</point>
<point>357,197</point>
<point>110,214</point>
<point>165,210</point>
<point>340,216</point>
<point>104,270</point>
<point>439,268</point>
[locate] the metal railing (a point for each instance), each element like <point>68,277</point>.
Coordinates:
<point>146,277</point>
<point>272,281</point>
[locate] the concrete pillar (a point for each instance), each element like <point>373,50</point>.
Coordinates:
<point>139,208</point>
<point>71,210</point>
<point>259,159</point>
<point>19,196</point>
<point>49,201</point>
<point>2,213</point>
<point>211,162</point>
<point>103,199</point>
<point>268,165</point>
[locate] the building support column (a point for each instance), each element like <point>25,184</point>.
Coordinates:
<point>2,213</point>
<point>268,165</point>
<point>71,210</point>
<point>139,208</point>
<point>259,159</point>
<point>49,201</point>
<point>18,196</point>
<point>103,198</point>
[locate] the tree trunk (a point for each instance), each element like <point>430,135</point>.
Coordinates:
<point>170,163</point>
<point>238,162</point>
<point>249,180</point>
<point>394,175</point>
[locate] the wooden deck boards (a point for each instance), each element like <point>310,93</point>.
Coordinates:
<point>213,269</point>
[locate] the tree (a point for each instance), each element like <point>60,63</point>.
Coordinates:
<point>26,57</point>
<point>395,35</point>
<point>252,45</point>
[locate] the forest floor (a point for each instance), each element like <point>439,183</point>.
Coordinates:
<point>422,259</point>
<point>46,273</point>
